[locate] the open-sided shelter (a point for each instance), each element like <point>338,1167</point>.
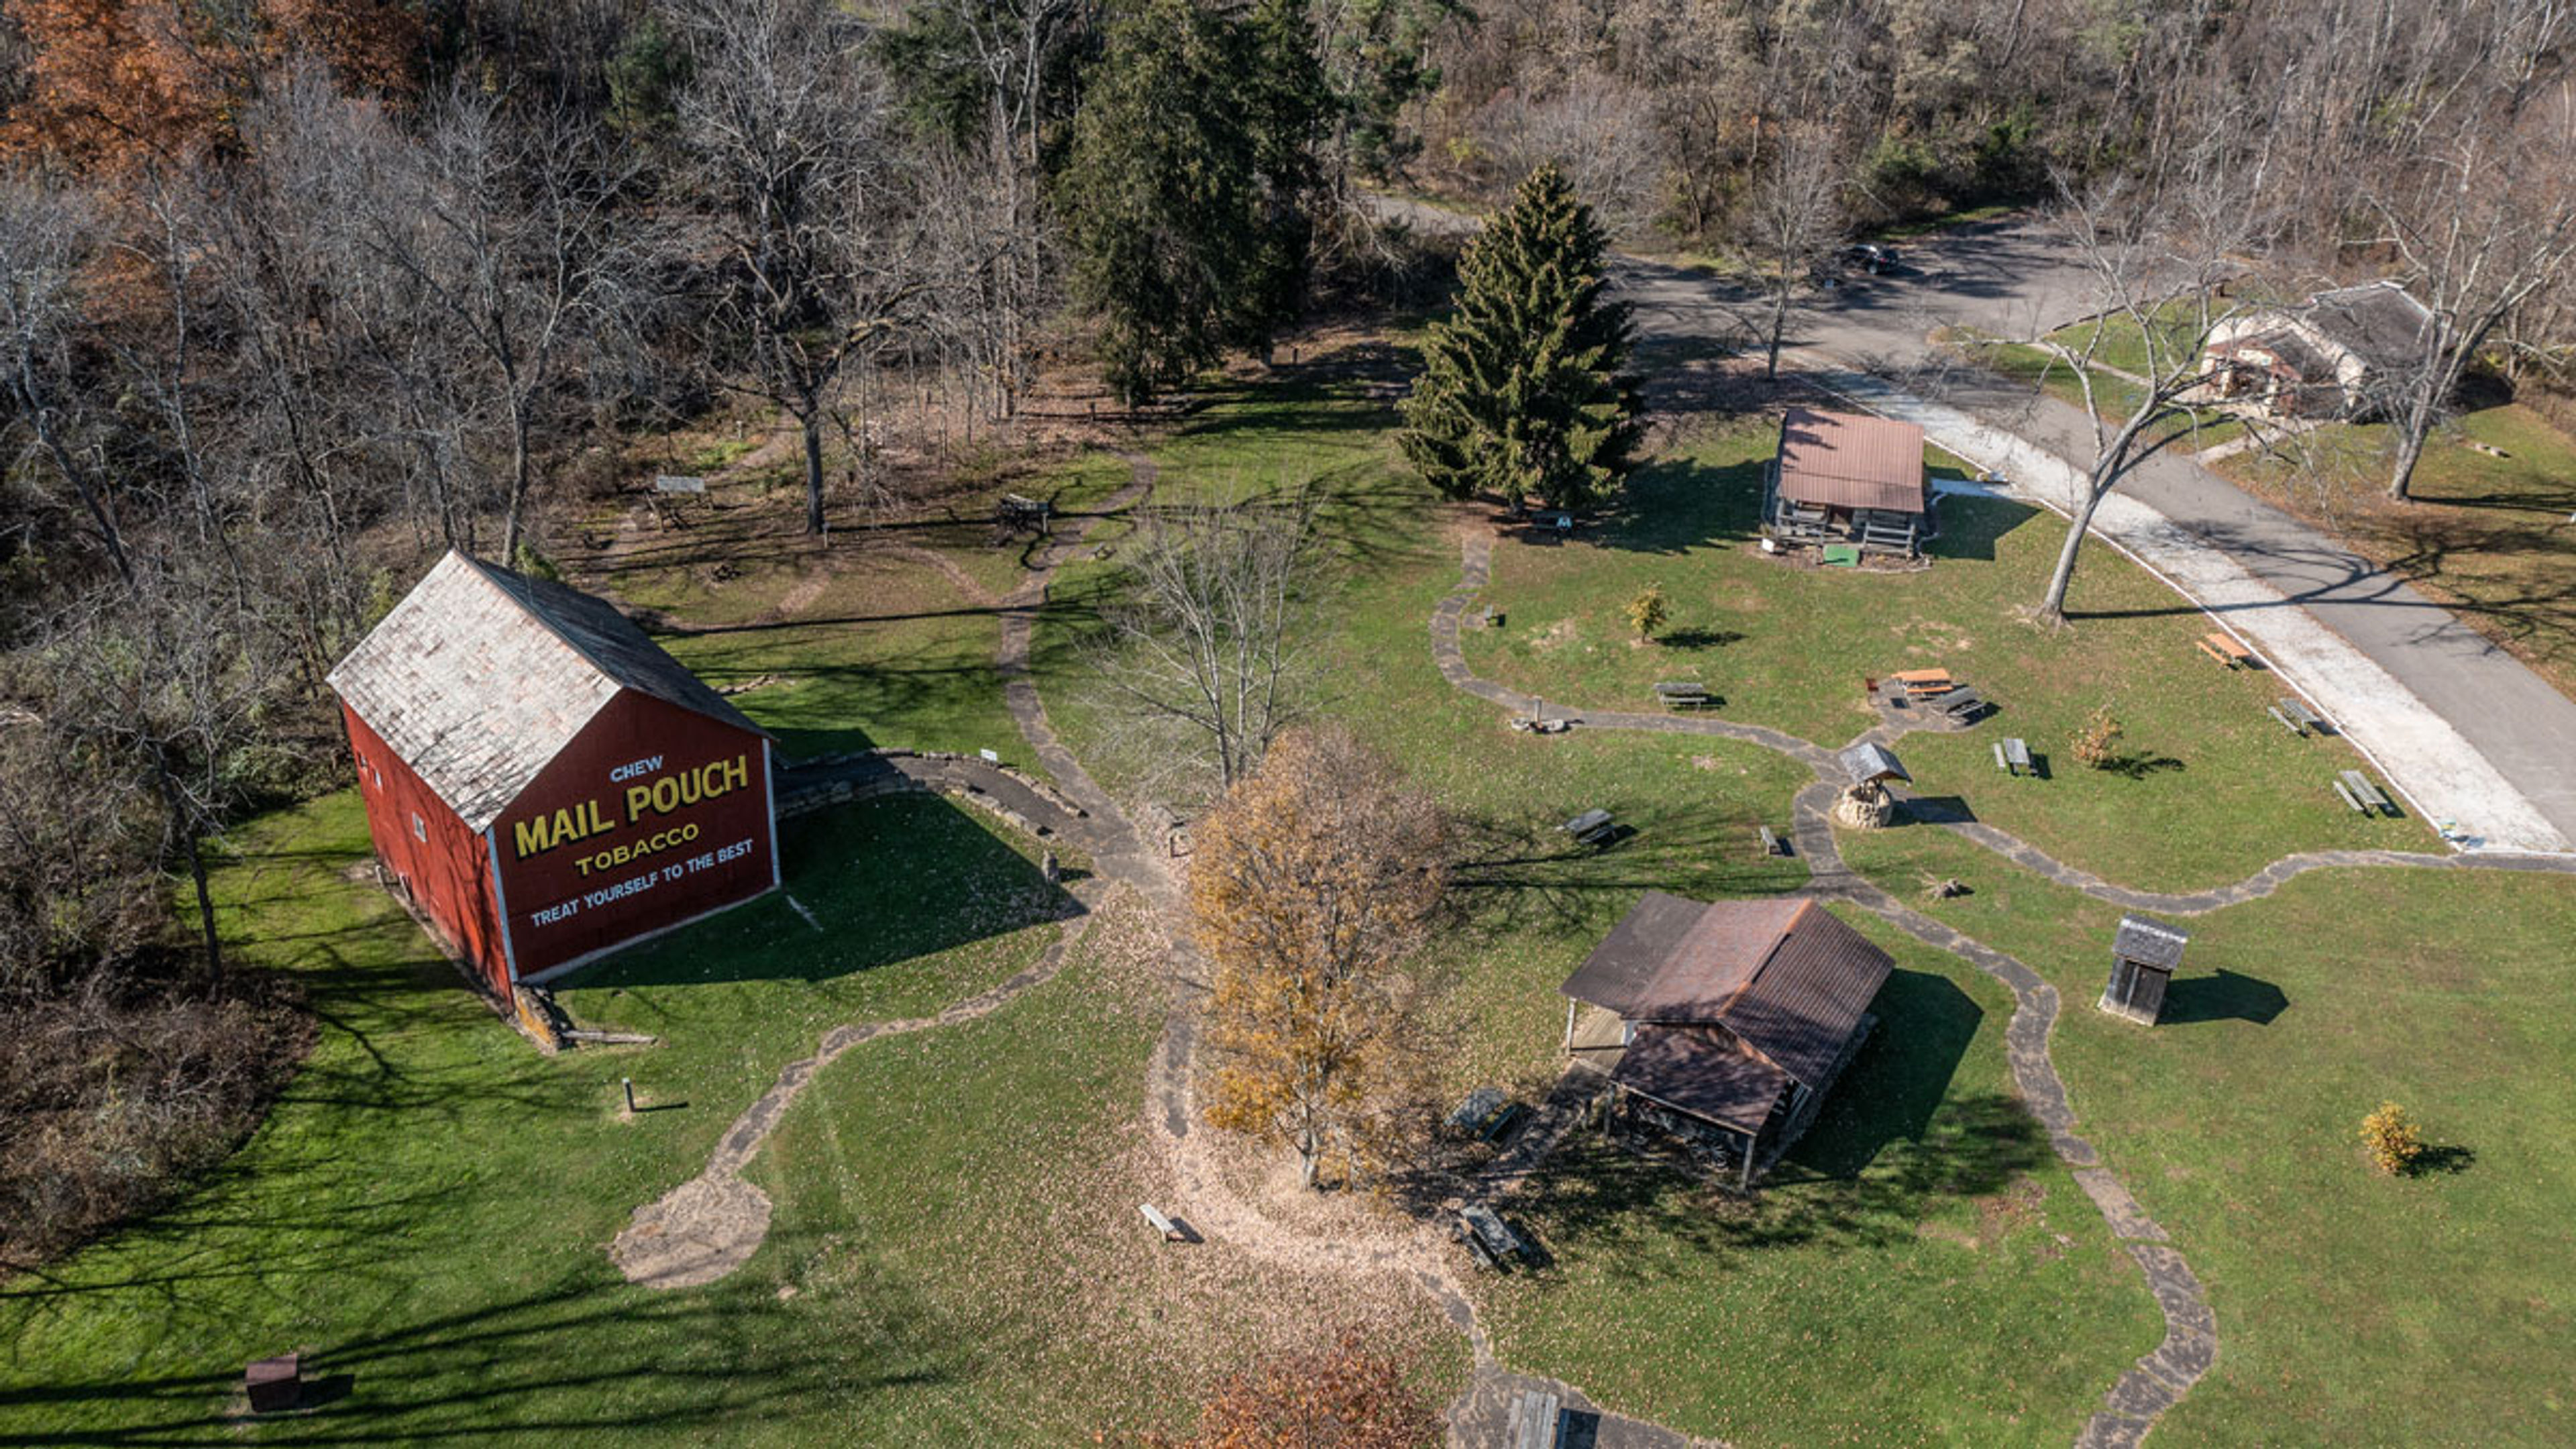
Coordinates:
<point>1725,1024</point>
<point>543,783</point>
<point>1848,478</point>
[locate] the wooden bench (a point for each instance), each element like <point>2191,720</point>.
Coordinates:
<point>1159,1222</point>
<point>2225,649</point>
<point>2012,756</point>
<point>1771,844</point>
<point>1592,827</point>
<point>1536,1420</point>
<point>1683,694</point>
<point>2361,795</point>
<point>2298,719</point>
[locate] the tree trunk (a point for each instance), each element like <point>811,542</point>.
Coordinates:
<point>812,419</point>
<point>187,832</point>
<point>1779,325</point>
<point>510,530</point>
<point>2053,607</point>
<point>2401,477</point>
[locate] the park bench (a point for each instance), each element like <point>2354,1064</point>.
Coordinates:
<point>1592,827</point>
<point>1962,704</point>
<point>1683,694</point>
<point>1160,1222</point>
<point>2225,649</point>
<point>1536,1420</point>
<point>2363,796</point>
<point>2298,719</point>
<point>1771,844</point>
<point>274,1385</point>
<point>2012,756</point>
<point>1491,1242</point>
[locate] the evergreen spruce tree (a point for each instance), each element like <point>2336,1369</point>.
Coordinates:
<point>1522,391</point>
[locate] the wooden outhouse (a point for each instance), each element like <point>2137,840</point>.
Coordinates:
<point>2143,957</point>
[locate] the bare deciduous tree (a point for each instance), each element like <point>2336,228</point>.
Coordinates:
<point>786,122</point>
<point>1206,644</point>
<point>1789,221</point>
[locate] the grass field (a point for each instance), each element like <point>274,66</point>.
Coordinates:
<point>426,1211</point>
<point>2210,789</point>
<point>2353,1308</point>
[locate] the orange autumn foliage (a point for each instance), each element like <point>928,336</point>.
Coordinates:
<point>113,83</point>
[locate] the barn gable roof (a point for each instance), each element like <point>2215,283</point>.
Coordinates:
<point>1785,977</point>
<point>481,676</point>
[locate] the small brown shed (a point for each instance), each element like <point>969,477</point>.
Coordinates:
<point>1848,478</point>
<point>1724,1025</point>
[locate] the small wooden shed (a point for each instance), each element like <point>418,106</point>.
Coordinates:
<point>2144,956</point>
<point>1848,478</point>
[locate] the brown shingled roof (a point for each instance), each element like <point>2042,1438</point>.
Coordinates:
<point>1787,977</point>
<point>1851,460</point>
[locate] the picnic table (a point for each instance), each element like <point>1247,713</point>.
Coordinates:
<point>2225,649</point>
<point>2363,796</point>
<point>2298,719</point>
<point>1924,683</point>
<point>1487,1237</point>
<point>1486,1114</point>
<point>1961,703</point>
<point>1683,694</point>
<point>1592,827</point>
<point>2012,756</point>
<point>1535,1420</point>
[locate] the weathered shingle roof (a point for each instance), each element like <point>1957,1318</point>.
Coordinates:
<point>2380,322</point>
<point>480,677</point>
<point>1872,761</point>
<point>1851,460</point>
<point>2144,938</point>
<point>1786,976</point>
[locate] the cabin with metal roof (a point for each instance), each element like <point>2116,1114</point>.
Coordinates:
<point>1848,478</point>
<point>543,783</point>
<point>1723,1025</point>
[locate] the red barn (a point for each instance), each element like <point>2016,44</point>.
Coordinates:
<point>543,783</point>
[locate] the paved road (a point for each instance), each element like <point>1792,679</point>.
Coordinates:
<point>2010,278</point>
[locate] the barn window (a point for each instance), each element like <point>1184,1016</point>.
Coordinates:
<point>419,827</point>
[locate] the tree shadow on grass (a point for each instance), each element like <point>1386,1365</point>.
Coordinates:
<point>1516,871</point>
<point>2140,765</point>
<point>1971,525</point>
<point>860,869</point>
<point>572,1358</point>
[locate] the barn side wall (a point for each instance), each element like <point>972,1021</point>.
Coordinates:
<point>587,864</point>
<point>434,860</point>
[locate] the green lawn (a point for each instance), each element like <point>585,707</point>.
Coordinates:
<point>1919,1270</point>
<point>2115,398</point>
<point>2352,1308</point>
<point>427,1209</point>
<point>2211,790</point>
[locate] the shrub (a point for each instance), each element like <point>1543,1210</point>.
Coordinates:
<point>1648,611</point>
<point>2098,743</point>
<point>2391,1135</point>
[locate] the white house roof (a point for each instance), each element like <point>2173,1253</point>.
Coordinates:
<point>480,677</point>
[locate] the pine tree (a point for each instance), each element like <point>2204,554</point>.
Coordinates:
<point>1522,391</point>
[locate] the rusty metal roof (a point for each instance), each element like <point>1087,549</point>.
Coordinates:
<point>1705,1071</point>
<point>1786,976</point>
<point>481,676</point>
<point>1851,460</point>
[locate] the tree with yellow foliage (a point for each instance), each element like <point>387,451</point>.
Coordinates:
<point>1310,881</point>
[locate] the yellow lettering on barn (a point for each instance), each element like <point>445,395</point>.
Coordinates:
<point>684,788</point>
<point>532,837</point>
